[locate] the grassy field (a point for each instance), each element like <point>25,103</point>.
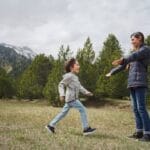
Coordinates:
<point>22,128</point>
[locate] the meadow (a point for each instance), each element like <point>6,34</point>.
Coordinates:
<point>22,127</point>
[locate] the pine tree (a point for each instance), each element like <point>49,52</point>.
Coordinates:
<point>86,57</point>
<point>147,41</point>
<point>33,80</point>
<point>51,89</point>
<point>64,54</point>
<point>116,85</point>
<point>7,89</point>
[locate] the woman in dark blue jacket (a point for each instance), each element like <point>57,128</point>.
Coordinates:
<point>138,63</point>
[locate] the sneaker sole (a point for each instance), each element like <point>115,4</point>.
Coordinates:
<point>134,139</point>
<point>144,140</point>
<point>88,133</point>
<point>48,130</point>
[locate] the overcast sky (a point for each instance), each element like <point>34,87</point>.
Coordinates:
<point>44,25</point>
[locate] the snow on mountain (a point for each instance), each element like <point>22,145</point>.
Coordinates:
<point>25,51</point>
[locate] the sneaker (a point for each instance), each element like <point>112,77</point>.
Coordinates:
<point>88,131</point>
<point>50,129</point>
<point>136,135</point>
<point>145,138</point>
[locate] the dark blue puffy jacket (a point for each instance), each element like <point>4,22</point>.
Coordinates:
<point>138,70</point>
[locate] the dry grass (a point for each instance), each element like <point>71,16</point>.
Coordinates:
<point>22,128</point>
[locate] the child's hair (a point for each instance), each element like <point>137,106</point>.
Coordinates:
<point>70,63</point>
<point>138,35</point>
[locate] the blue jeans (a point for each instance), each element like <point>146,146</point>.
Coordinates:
<point>73,104</point>
<point>138,97</point>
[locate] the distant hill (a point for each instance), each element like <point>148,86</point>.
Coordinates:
<point>25,51</point>
<point>15,59</point>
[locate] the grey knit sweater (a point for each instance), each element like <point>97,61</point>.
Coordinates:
<point>70,87</point>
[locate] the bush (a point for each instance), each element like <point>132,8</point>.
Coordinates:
<point>6,85</point>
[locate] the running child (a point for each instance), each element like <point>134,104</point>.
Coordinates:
<point>69,89</point>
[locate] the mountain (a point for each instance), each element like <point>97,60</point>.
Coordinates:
<point>15,59</point>
<point>25,51</point>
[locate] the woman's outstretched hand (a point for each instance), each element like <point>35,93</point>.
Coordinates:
<point>108,74</point>
<point>117,62</point>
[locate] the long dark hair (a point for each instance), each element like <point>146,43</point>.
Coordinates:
<point>70,63</point>
<point>138,35</point>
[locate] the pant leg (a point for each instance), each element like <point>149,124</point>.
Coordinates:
<point>141,102</point>
<point>60,116</point>
<point>138,120</point>
<point>79,106</point>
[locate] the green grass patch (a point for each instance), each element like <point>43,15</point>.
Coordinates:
<point>22,127</point>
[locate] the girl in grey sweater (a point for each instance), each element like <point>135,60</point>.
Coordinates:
<point>69,89</point>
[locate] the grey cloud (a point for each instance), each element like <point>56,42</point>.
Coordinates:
<point>46,24</point>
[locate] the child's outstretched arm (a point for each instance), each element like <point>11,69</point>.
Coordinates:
<point>85,91</point>
<point>116,70</point>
